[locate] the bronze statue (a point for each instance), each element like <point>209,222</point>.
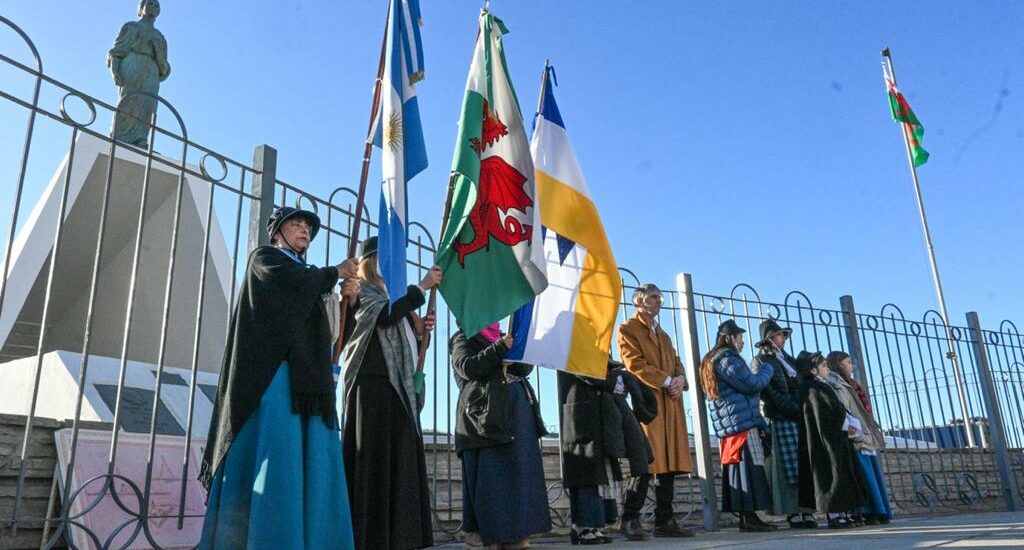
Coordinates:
<point>138,62</point>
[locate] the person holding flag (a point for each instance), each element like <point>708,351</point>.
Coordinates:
<point>382,440</point>
<point>493,262</point>
<point>490,231</point>
<point>569,326</point>
<point>272,466</point>
<point>383,393</point>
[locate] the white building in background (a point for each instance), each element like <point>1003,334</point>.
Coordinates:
<point>20,320</point>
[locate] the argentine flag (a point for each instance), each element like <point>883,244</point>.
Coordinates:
<point>400,136</point>
<point>569,325</point>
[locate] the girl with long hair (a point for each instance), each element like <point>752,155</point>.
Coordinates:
<point>733,390</point>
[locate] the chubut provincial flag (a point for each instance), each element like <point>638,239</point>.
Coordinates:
<point>490,248</point>
<point>400,136</point>
<point>569,325</point>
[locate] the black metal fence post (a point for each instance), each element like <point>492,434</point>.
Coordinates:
<point>264,162</point>
<point>853,343</point>
<point>701,436</point>
<point>995,415</point>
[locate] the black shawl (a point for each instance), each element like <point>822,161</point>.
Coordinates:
<point>831,478</point>
<point>279,316</point>
<point>591,429</point>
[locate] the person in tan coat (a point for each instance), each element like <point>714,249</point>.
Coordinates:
<point>648,353</point>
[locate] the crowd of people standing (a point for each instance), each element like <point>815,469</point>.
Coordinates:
<point>796,435</point>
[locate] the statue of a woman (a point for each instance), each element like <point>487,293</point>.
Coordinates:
<point>138,62</point>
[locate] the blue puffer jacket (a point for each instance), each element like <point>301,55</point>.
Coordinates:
<point>736,409</point>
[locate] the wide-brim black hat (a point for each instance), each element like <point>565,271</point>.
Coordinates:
<point>285,213</point>
<point>807,360</point>
<point>729,328</point>
<point>367,247</point>
<point>769,328</point>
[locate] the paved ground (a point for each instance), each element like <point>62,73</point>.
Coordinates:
<point>984,530</point>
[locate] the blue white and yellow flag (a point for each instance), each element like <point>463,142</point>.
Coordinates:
<point>569,325</point>
<point>400,136</point>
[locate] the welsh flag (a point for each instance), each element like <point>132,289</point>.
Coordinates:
<point>490,251</point>
<point>901,112</point>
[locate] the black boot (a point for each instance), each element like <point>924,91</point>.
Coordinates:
<point>632,530</point>
<point>671,529</point>
<point>750,523</point>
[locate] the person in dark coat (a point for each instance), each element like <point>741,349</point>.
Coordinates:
<point>869,443</point>
<point>598,427</point>
<point>382,440</point>
<point>272,465</point>
<point>781,399</point>
<point>497,435</point>
<point>831,478</point>
<point>733,391</point>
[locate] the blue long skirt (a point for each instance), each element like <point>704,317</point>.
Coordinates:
<point>281,485</point>
<point>878,497</point>
<point>503,493</point>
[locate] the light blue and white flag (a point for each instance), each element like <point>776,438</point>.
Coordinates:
<point>399,134</point>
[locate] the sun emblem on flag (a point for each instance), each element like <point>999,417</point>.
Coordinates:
<point>393,132</point>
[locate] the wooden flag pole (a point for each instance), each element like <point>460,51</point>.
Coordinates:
<point>353,238</point>
<point>432,301</point>
<point>951,353</point>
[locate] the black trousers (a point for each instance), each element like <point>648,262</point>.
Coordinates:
<point>636,493</point>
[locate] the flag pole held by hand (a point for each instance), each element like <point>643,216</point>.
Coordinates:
<point>353,238</point>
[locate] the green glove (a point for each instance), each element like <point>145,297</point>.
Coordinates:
<point>418,380</point>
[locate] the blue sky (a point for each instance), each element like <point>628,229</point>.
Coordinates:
<point>738,141</point>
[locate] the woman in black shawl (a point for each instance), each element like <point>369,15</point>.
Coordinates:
<point>384,458</point>
<point>272,465</point>
<point>831,479</point>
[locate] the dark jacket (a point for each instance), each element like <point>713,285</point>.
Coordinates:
<point>831,478</point>
<point>483,407</point>
<point>781,397</point>
<point>279,316</point>
<point>598,426</point>
<point>591,429</point>
<point>644,409</point>
<point>736,409</point>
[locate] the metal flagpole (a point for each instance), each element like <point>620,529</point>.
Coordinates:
<point>961,389</point>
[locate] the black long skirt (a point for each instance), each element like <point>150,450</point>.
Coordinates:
<point>745,485</point>
<point>386,470</point>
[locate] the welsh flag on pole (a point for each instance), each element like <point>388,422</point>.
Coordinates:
<point>490,250</point>
<point>901,112</point>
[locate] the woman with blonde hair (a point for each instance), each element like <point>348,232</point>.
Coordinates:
<point>733,390</point>
<point>383,446</point>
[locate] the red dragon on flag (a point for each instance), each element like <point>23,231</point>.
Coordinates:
<point>499,191</point>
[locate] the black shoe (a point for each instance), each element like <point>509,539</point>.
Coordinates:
<point>810,522</point>
<point>633,530</point>
<point>882,520</point>
<point>757,519</point>
<point>587,536</point>
<point>870,520</point>
<point>839,523</point>
<point>671,529</point>
<point>857,519</point>
<point>795,522</point>
<point>750,523</point>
